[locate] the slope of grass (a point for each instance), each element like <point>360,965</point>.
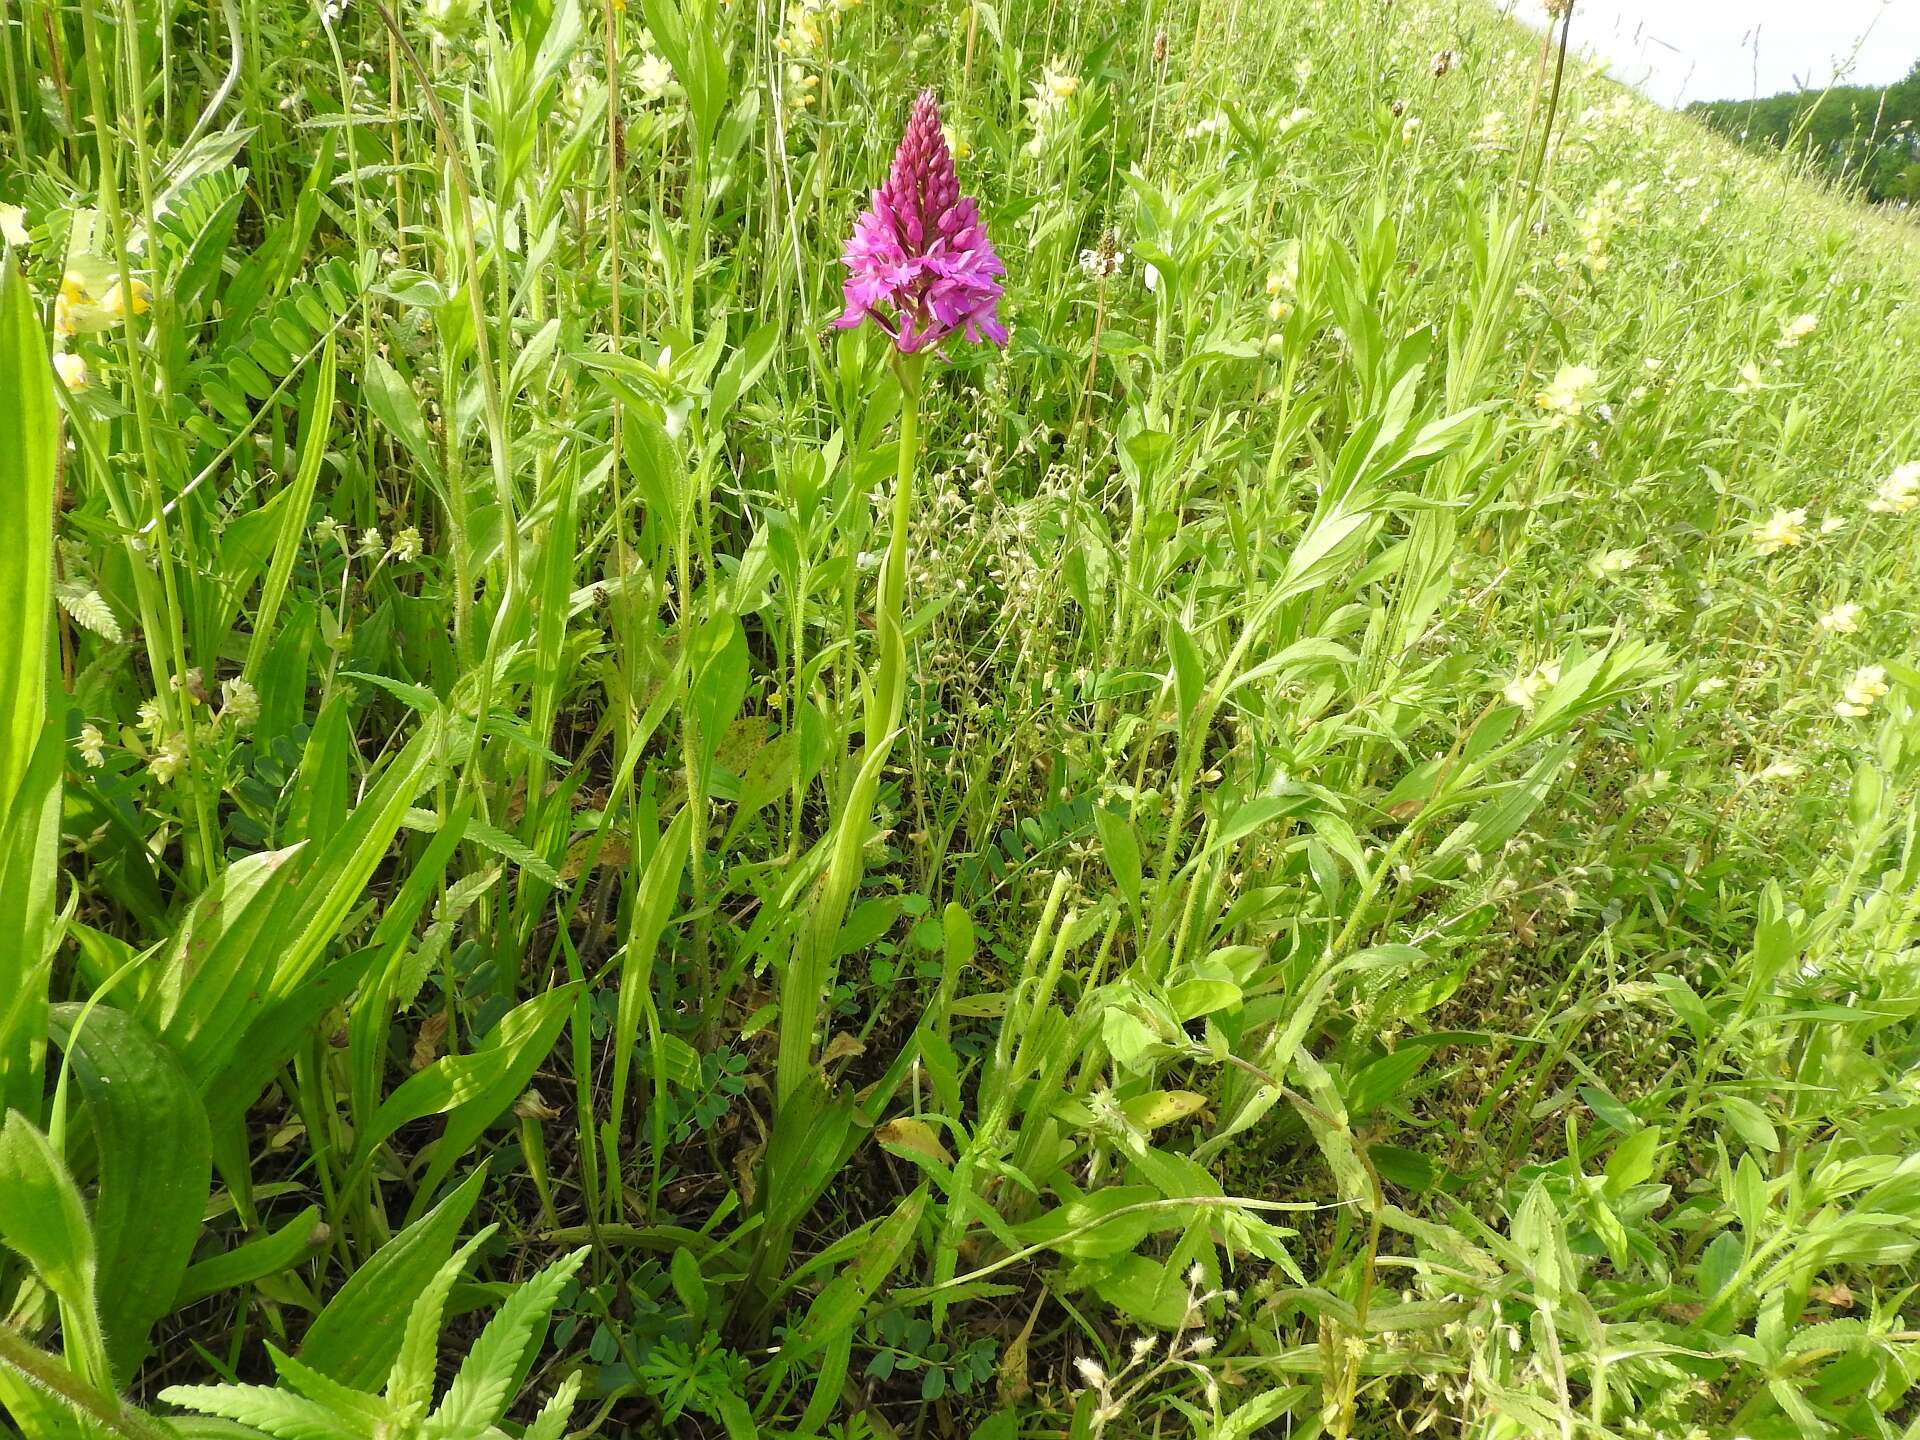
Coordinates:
<point>1365,887</point>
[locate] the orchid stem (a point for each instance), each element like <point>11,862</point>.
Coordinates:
<point>890,686</point>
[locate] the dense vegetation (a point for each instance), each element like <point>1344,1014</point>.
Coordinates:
<point>1323,843</point>
<point>1864,136</point>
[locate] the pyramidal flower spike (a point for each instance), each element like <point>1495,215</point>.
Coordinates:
<point>919,264</point>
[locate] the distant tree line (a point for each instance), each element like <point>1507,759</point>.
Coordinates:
<point>1861,135</point>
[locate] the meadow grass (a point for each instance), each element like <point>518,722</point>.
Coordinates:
<point>1321,844</point>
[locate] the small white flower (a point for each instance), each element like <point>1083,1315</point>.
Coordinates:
<point>406,546</point>
<point>1101,263</point>
<point>92,746</point>
<point>1090,1371</point>
<point>169,760</point>
<point>239,703</point>
<point>1150,273</point>
<point>654,76</point>
<point>13,225</point>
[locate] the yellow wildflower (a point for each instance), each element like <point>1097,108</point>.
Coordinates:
<point>1782,530</point>
<point>1899,492</point>
<point>71,369</point>
<point>1793,331</point>
<point>1867,684</point>
<point>1571,391</point>
<point>1525,689</point>
<point>1842,619</point>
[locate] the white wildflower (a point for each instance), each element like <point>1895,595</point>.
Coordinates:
<point>239,703</point>
<point>169,760</point>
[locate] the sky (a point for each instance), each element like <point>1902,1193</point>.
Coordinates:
<point>1681,50</point>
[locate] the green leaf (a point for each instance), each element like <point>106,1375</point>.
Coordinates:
<point>316,412</point>
<point>652,908</point>
<point>28,419</point>
<point>209,983</point>
<point>1189,670</point>
<point>836,1308</point>
<point>367,1414</point>
<point>29,764</point>
<point>475,1088</point>
<point>411,1380</point>
<point>356,1338</point>
<point>42,1216</point>
<point>1750,1122</point>
<point>29,876</point>
<point>689,1284</point>
<point>1252,1418</point>
<point>257,1259</point>
<point>1632,1161</point>
<point>551,1422</point>
<point>288,1417</point>
<point>494,1365</point>
<point>1106,1223</point>
<point>392,401</point>
<point>1145,1289</point>
<point>721,669</point>
<point>1375,1084</point>
<point>1122,850</point>
<point>156,1164</point>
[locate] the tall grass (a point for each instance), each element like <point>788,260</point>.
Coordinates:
<point>1323,845</point>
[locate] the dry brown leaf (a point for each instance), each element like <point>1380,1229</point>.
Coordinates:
<point>912,1138</point>
<point>426,1045</point>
